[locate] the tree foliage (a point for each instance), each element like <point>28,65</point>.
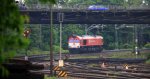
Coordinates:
<point>42,1</point>
<point>11,31</point>
<point>48,1</point>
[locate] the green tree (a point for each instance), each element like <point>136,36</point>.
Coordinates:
<point>11,32</point>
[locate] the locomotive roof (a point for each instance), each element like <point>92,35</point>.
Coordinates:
<point>89,37</point>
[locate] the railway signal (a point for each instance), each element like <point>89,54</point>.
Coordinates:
<point>26,34</point>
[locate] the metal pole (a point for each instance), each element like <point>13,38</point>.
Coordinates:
<point>61,16</point>
<point>51,41</point>
<point>116,36</point>
<point>86,30</point>
<point>136,41</point>
<point>133,37</point>
<point>40,36</point>
<point>60,40</point>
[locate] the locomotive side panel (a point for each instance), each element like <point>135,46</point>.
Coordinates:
<point>94,42</point>
<point>91,41</point>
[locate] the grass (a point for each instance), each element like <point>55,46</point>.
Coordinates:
<point>80,57</point>
<point>46,77</point>
<point>116,55</point>
<point>145,55</point>
<point>131,55</point>
<point>127,55</point>
<point>37,52</point>
<point>148,61</point>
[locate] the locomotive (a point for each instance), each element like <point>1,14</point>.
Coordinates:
<point>85,44</point>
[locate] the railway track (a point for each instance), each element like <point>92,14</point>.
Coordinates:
<point>112,70</point>
<point>68,56</point>
<point>90,68</point>
<point>84,71</point>
<point>114,60</point>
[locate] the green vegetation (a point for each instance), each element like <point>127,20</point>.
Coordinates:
<point>11,32</point>
<point>148,59</point>
<point>46,77</point>
<point>128,55</point>
<point>40,36</point>
<point>147,45</point>
<point>117,55</point>
<point>84,57</point>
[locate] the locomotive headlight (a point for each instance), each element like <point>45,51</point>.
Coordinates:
<point>28,31</point>
<point>24,35</point>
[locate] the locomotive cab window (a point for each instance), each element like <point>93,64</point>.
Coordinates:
<point>84,42</point>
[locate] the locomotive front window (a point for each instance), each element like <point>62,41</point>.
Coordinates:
<point>76,41</point>
<point>84,42</point>
<point>71,41</point>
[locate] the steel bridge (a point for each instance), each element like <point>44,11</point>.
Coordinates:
<point>90,17</point>
<point>81,15</point>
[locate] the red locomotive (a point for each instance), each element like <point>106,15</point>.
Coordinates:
<point>85,43</point>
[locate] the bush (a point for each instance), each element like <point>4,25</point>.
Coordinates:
<point>45,47</point>
<point>34,51</point>
<point>57,48</point>
<point>148,61</point>
<point>111,46</point>
<point>126,46</point>
<point>65,51</point>
<point>21,51</point>
<point>148,56</point>
<point>147,45</point>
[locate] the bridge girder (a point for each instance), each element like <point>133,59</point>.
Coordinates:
<point>90,17</point>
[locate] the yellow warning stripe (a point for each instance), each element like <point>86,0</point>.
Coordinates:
<point>60,73</point>
<point>63,74</point>
<point>56,68</point>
